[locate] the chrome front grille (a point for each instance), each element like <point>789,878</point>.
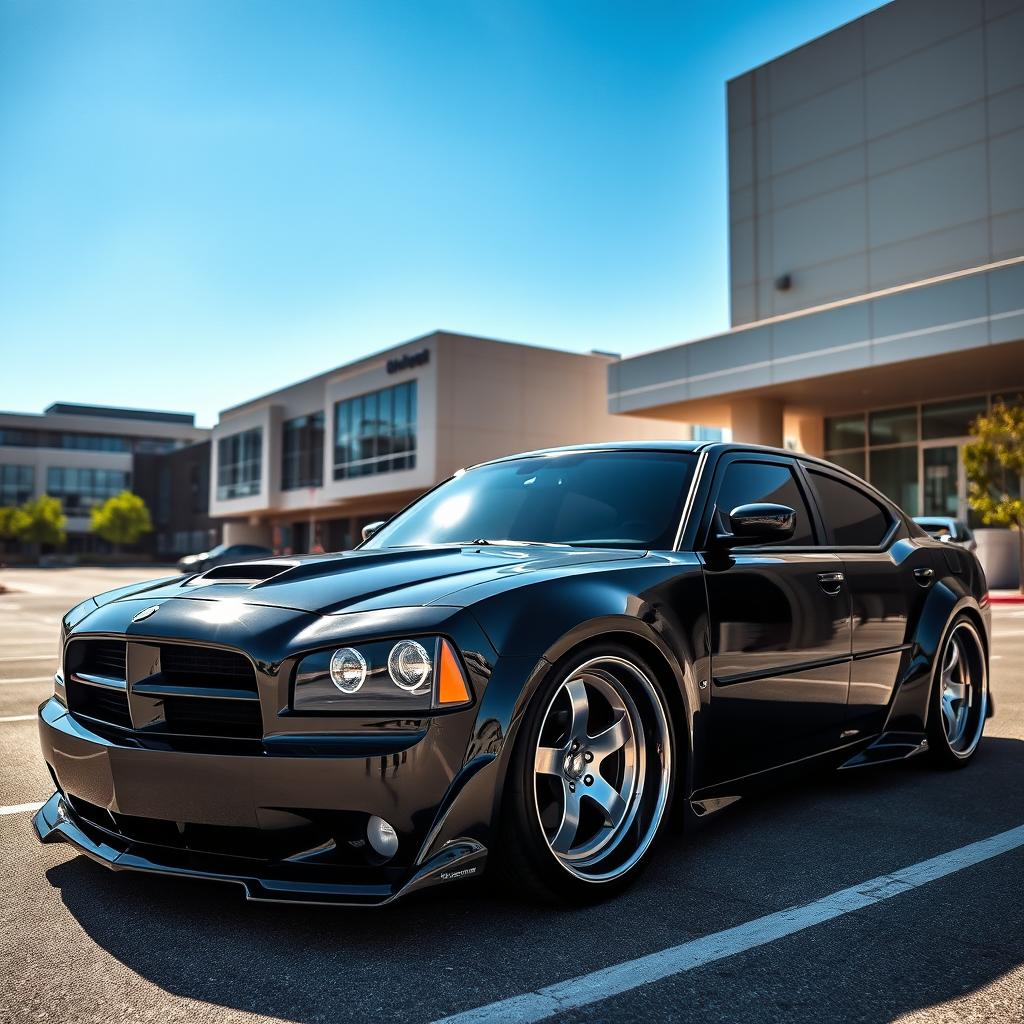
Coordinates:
<point>166,688</point>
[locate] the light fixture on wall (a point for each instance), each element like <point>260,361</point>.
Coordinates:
<point>783,282</point>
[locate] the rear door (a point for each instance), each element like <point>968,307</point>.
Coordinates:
<point>888,578</point>
<point>779,627</point>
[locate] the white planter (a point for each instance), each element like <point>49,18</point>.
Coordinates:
<point>999,555</point>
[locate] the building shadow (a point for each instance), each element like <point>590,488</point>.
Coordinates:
<point>463,946</point>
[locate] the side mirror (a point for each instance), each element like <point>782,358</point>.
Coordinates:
<point>759,523</point>
<point>371,528</point>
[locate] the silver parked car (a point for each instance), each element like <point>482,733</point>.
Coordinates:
<point>220,555</point>
<point>948,529</point>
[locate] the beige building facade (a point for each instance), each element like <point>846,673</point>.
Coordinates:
<point>876,226</point>
<point>304,468</point>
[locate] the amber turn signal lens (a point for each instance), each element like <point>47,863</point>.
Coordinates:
<point>452,688</point>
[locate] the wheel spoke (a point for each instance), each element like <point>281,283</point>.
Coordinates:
<point>950,717</point>
<point>548,761</point>
<point>952,659</point>
<point>611,739</point>
<point>955,690</point>
<point>608,799</point>
<point>580,704</point>
<point>563,839</point>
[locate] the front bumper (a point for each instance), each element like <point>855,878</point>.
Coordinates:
<point>286,824</point>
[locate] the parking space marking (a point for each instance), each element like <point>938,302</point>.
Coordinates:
<point>17,718</point>
<point>612,981</point>
<point>29,657</point>
<point>20,808</point>
<point>27,679</point>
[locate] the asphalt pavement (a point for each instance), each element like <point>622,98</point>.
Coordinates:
<point>81,943</point>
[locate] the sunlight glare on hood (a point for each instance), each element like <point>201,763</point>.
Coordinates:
<point>221,612</point>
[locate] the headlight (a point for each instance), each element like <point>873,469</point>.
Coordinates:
<point>382,677</point>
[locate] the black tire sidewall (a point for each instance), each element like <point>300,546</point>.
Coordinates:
<point>942,754</point>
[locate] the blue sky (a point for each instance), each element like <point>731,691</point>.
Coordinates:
<point>200,202</point>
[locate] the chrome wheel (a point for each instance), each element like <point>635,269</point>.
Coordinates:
<point>601,768</point>
<point>963,693</point>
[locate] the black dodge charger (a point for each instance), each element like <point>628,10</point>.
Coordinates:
<point>532,666</point>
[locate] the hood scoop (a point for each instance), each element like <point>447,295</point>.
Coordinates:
<point>241,572</point>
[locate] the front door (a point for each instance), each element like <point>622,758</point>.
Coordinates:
<point>779,629</point>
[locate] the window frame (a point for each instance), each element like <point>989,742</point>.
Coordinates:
<point>707,520</point>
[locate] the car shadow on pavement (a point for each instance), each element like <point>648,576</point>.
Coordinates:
<point>454,948</point>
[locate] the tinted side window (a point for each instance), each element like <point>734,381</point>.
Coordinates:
<point>854,518</point>
<point>747,482</point>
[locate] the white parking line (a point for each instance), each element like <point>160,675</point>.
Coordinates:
<point>17,718</point>
<point>612,981</point>
<point>27,679</point>
<point>29,657</point>
<point>20,808</point>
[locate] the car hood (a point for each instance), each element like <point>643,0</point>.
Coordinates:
<point>356,581</point>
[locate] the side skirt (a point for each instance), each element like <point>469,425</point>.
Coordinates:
<point>890,746</point>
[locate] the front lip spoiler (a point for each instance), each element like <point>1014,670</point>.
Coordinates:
<point>56,822</point>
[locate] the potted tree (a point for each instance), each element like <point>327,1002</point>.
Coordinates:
<point>995,473</point>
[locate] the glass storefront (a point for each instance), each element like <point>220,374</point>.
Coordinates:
<point>913,453</point>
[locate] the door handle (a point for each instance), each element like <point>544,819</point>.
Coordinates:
<point>831,582</point>
<point>924,576</point>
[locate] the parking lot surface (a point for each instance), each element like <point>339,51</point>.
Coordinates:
<point>80,943</point>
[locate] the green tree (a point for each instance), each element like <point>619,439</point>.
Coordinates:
<point>995,470</point>
<point>122,519</point>
<point>40,521</point>
<point>9,517</point>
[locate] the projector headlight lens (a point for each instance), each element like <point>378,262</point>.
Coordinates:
<point>409,665</point>
<point>348,669</point>
<point>399,676</point>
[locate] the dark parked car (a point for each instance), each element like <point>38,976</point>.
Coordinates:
<point>221,555</point>
<point>948,529</point>
<point>531,666</point>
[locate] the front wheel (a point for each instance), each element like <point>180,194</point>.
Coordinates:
<point>591,779</point>
<point>959,697</point>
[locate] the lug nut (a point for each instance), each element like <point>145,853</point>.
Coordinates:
<point>588,780</point>
<point>572,787</point>
<point>588,757</point>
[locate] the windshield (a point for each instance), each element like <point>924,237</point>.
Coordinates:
<point>608,499</point>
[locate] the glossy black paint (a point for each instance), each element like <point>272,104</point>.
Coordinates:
<point>768,663</point>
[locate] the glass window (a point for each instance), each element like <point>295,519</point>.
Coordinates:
<point>851,461</point>
<point>591,499</point>
<point>302,452</point>
<point>894,426</point>
<point>894,473</point>
<point>239,464</point>
<point>853,517</point>
<point>747,482</point>
<point>376,432</point>
<point>844,431</point>
<point>17,484</point>
<point>951,419</point>
<point>79,490</point>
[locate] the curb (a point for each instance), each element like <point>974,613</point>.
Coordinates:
<point>1006,598</point>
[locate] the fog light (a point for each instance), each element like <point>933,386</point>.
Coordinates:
<point>348,669</point>
<point>382,837</point>
<point>409,665</point>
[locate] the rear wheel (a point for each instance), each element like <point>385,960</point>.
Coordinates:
<point>591,780</point>
<point>959,698</point>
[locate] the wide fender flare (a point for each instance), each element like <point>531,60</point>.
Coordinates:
<point>946,599</point>
<point>560,620</point>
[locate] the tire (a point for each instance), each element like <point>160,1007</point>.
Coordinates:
<point>958,701</point>
<point>591,780</point>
